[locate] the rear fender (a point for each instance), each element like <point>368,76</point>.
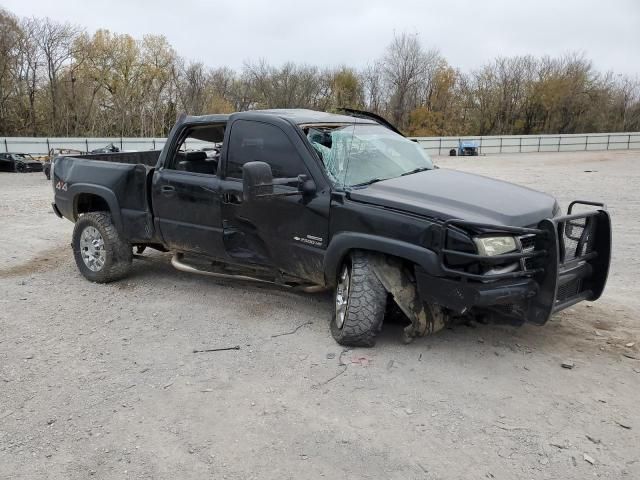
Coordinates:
<point>107,195</point>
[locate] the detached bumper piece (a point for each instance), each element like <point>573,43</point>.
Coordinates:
<point>561,262</point>
<point>32,167</point>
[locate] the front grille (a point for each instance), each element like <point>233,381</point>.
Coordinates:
<point>569,290</point>
<point>527,244</point>
<point>504,309</point>
<point>577,238</point>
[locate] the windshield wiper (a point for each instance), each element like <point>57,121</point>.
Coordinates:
<point>368,182</point>
<point>415,170</point>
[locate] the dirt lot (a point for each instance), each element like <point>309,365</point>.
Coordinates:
<point>100,381</point>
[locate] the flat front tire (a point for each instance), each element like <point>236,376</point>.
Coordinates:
<point>100,253</point>
<point>360,303</point>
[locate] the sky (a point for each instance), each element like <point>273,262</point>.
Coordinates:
<point>468,33</point>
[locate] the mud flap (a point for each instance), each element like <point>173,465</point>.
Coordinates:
<point>426,319</point>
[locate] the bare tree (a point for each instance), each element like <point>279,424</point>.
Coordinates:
<point>31,66</point>
<point>57,79</point>
<point>56,41</point>
<point>408,69</point>
<point>372,83</point>
<point>10,62</point>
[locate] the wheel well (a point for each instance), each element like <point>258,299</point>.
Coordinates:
<point>90,202</point>
<point>342,243</point>
<point>405,263</point>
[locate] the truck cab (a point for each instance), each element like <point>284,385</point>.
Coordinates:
<point>199,205</point>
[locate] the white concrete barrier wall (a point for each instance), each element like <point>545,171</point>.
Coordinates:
<point>536,143</point>
<point>42,145</point>
<point>433,145</point>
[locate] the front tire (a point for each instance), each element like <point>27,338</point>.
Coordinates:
<point>102,256</point>
<point>360,301</point>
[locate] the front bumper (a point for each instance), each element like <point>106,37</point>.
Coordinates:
<point>567,262</point>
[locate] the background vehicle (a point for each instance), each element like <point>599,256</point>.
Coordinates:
<point>57,152</point>
<point>19,162</point>
<point>466,148</point>
<point>111,148</point>
<point>312,200</point>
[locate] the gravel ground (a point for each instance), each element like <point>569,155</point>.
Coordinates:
<point>100,381</point>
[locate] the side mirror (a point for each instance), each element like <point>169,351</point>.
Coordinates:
<point>257,180</point>
<point>306,186</point>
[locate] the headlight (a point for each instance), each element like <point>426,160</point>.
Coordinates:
<point>491,246</point>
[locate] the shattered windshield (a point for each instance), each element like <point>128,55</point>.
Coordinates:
<point>359,154</point>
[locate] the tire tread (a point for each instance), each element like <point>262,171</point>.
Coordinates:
<point>119,252</point>
<point>366,307</point>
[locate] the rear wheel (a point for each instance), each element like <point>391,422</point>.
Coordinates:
<point>360,303</point>
<point>19,166</point>
<point>101,254</point>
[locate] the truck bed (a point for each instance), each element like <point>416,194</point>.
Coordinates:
<point>148,158</point>
<point>122,180</point>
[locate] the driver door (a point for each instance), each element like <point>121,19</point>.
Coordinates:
<point>282,233</point>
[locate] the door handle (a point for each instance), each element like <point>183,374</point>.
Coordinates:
<point>232,198</point>
<point>168,190</point>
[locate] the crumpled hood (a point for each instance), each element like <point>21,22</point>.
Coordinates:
<point>447,194</point>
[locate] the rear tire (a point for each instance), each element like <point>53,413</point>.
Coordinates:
<point>101,254</point>
<point>361,302</point>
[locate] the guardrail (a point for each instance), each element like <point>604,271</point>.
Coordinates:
<point>535,143</point>
<point>433,145</point>
<point>42,145</point>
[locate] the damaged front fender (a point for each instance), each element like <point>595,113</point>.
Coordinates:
<point>426,319</point>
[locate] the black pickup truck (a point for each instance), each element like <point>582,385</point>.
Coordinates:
<point>311,201</point>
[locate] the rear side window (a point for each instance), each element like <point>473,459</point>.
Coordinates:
<point>255,141</point>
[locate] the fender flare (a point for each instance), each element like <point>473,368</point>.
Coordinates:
<point>342,243</point>
<point>107,195</point>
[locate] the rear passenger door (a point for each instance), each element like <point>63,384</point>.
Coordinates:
<point>186,200</point>
<point>287,233</point>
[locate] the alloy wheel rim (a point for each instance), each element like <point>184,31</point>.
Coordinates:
<point>92,249</point>
<point>342,296</point>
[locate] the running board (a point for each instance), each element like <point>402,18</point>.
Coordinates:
<point>178,264</point>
